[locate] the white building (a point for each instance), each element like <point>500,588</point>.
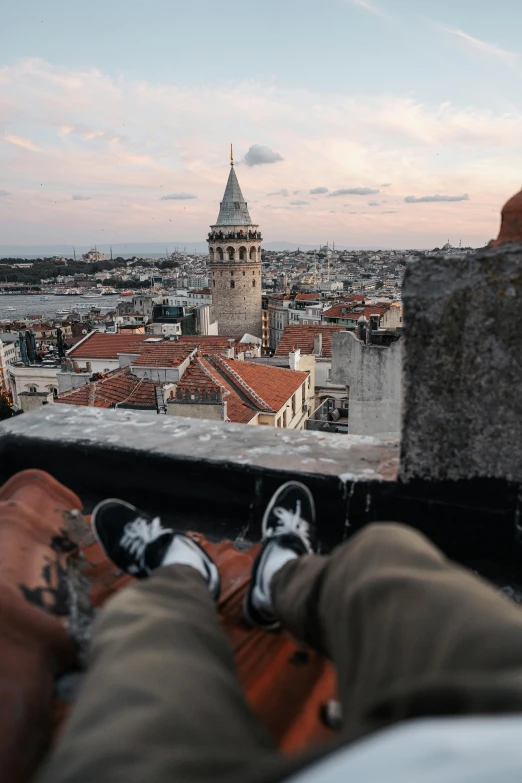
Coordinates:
<point>8,357</point>
<point>34,379</point>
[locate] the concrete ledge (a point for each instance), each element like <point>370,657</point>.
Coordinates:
<point>217,478</point>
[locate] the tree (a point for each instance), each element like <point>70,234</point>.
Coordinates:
<point>379,284</point>
<point>5,409</point>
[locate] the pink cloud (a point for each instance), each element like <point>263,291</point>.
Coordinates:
<point>128,143</point>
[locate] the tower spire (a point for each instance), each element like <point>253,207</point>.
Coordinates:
<point>231,156</point>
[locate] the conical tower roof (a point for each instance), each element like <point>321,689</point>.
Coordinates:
<point>233,210</point>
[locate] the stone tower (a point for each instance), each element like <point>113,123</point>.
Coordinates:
<point>234,245</point>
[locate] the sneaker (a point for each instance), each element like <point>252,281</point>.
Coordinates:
<point>288,531</point>
<point>138,543</point>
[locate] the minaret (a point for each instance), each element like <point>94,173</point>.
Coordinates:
<point>234,246</point>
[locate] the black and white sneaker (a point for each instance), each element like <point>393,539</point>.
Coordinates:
<point>138,543</point>
<point>288,531</point>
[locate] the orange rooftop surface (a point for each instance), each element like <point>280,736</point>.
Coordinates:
<point>302,336</point>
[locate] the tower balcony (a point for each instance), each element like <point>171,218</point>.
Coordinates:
<point>237,236</point>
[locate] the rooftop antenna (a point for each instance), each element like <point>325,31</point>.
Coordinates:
<point>231,156</point>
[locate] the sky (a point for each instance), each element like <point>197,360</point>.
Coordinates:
<point>394,123</point>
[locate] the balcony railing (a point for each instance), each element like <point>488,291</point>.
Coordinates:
<point>324,420</point>
<point>221,236</point>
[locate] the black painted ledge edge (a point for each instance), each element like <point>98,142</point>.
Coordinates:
<point>224,497</point>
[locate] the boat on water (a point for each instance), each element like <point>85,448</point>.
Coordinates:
<point>10,308</point>
<point>127,293</point>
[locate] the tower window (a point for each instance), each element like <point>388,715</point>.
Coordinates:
<point>232,284</point>
<point>214,283</point>
<point>231,253</point>
<point>253,283</point>
<point>242,253</point>
<point>244,273</point>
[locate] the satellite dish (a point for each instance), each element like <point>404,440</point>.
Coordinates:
<point>84,331</point>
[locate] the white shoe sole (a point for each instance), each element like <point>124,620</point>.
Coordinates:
<point>273,502</point>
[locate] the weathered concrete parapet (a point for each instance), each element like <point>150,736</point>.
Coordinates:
<point>463,366</point>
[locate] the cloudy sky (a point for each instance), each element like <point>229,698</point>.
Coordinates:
<point>394,123</point>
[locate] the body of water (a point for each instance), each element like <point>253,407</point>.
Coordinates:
<point>13,306</point>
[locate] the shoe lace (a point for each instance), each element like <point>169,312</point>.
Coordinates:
<point>138,534</point>
<point>289,521</point>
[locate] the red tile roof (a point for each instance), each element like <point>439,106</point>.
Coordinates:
<point>238,411</point>
<point>271,385</point>
<point>198,377</point>
<point>210,343</point>
<point>302,336</point>
<point>103,345</point>
<point>202,376</point>
<point>117,387</point>
<point>355,298</point>
<point>346,311</point>
<point>247,388</point>
<point>302,297</point>
<point>168,354</point>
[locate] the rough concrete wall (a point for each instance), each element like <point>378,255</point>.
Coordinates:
<point>72,380</point>
<point>374,375</point>
<point>322,369</point>
<point>194,410</point>
<point>238,309</point>
<point>31,403</point>
<point>342,348</point>
<point>463,366</point>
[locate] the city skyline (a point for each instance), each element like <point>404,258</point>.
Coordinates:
<point>372,125</point>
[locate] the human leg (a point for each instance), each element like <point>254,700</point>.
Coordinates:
<point>161,701</point>
<point>410,633</point>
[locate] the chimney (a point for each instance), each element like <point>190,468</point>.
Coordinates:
<point>362,325</point>
<point>318,344</point>
<point>88,366</point>
<point>293,358</point>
